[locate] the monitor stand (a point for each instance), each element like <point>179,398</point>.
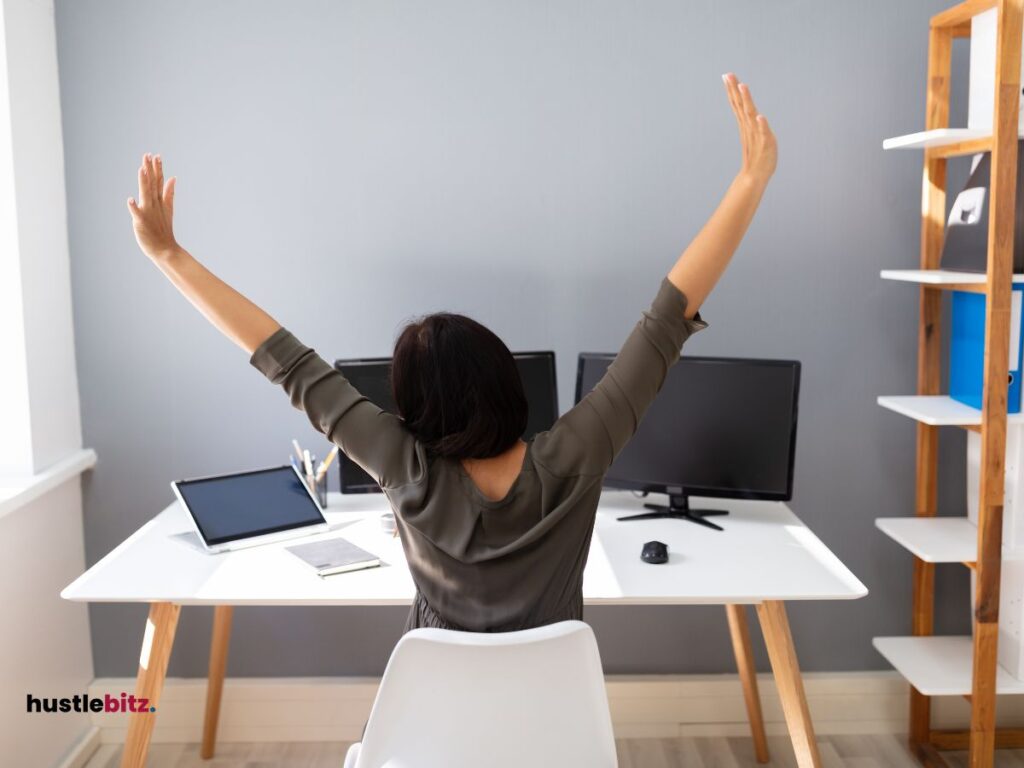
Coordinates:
<point>678,508</point>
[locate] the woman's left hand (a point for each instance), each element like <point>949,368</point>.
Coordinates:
<point>153,214</point>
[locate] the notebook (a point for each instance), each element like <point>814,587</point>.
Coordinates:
<point>334,556</point>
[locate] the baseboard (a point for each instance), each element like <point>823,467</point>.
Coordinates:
<point>83,749</point>
<point>656,706</point>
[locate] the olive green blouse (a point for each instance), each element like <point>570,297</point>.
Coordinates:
<point>479,564</point>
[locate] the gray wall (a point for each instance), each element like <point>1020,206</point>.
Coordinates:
<point>538,166</point>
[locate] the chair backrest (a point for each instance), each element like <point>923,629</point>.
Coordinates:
<point>458,699</point>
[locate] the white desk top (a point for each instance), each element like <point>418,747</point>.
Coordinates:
<point>765,553</point>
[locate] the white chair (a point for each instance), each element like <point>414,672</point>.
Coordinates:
<point>465,699</point>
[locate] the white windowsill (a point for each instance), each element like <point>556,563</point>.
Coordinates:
<point>17,492</point>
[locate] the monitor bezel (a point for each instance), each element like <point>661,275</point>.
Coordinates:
<point>373,487</point>
<point>717,493</point>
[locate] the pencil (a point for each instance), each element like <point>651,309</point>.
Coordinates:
<point>322,469</point>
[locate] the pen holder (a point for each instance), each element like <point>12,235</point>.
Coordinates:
<point>319,488</point>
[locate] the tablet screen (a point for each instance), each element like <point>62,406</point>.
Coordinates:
<point>249,504</point>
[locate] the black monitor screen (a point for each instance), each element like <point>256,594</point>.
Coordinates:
<point>372,378</point>
<point>719,427</point>
<point>537,370</point>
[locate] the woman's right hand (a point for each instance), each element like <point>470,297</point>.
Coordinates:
<point>153,214</point>
<point>760,151</point>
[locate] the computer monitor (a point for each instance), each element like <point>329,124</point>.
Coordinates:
<point>723,427</point>
<point>372,377</point>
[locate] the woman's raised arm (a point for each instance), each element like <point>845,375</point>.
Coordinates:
<point>599,426</point>
<point>152,217</point>
<point>376,440</point>
<point>707,256</point>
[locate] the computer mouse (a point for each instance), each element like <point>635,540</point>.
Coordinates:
<point>654,552</point>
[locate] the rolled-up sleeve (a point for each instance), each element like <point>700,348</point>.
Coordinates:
<point>370,436</point>
<point>602,423</point>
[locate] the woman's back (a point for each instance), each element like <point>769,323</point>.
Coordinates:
<point>494,477</point>
<point>495,565</point>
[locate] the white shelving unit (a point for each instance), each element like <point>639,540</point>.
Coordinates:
<point>939,137</point>
<point>960,666</point>
<point>939,665</point>
<point>934,539</point>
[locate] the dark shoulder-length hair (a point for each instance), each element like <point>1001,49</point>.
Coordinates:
<point>457,387</point>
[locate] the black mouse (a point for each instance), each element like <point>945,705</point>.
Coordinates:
<point>654,552</point>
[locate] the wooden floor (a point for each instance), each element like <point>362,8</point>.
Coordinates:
<point>836,752</point>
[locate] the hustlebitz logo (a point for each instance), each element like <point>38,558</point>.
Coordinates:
<point>83,702</point>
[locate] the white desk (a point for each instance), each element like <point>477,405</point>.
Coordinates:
<point>764,557</point>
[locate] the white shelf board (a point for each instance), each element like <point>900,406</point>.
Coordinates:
<point>939,666</point>
<point>939,137</point>
<point>934,539</point>
<point>939,276</point>
<point>936,410</point>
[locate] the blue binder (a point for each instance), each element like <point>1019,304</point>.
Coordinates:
<point>967,348</point>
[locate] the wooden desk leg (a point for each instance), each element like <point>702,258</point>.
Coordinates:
<point>215,678</point>
<point>156,650</point>
<point>775,627</point>
<point>740,632</point>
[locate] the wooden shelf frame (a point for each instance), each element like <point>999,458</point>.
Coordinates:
<point>955,22</point>
<point>968,147</point>
<point>959,16</point>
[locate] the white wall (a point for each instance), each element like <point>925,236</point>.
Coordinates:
<point>38,346</point>
<point>45,648</point>
<point>16,445</point>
